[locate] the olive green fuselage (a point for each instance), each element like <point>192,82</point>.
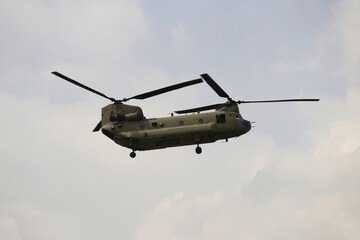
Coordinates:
<point>126,126</point>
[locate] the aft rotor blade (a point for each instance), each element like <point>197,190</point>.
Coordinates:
<point>215,86</point>
<point>82,85</point>
<point>164,90</point>
<point>199,109</point>
<point>282,100</point>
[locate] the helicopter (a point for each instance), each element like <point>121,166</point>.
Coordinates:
<point>127,126</point>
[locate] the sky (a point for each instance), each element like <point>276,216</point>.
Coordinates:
<point>295,175</point>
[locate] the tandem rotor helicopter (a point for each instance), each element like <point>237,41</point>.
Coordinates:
<point>127,126</point>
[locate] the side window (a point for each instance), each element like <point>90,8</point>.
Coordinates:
<point>220,118</point>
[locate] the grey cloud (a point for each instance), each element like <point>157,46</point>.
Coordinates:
<point>294,176</point>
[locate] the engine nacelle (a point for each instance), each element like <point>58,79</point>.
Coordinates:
<point>135,116</point>
<point>119,112</point>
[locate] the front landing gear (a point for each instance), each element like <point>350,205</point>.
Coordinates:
<point>198,149</point>
<point>132,154</point>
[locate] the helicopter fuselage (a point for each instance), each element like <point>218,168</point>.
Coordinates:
<point>122,124</point>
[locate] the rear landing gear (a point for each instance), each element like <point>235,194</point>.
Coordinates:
<point>198,150</point>
<point>132,154</point>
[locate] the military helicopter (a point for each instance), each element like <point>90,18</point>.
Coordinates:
<point>127,126</point>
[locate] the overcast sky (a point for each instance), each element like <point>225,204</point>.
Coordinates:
<point>295,175</point>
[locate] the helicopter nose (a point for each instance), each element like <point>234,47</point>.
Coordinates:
<point>247,125</point>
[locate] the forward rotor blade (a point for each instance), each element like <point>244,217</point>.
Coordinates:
<point>199,109</point>
<point>282,100</point>
<point>82,85</point>
<point>98,127</point>
<point>164,90</point>
<point>215,86</point>
<point>214,106</point>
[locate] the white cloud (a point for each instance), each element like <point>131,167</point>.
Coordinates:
<point>85,28</point>
<point>9,228</point>
<point>183,216</point>
<point>60,181</point>
<point>180,37</point>
<point>310,193</point>
<point>78,37</point>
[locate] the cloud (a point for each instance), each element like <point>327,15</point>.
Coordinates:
<point>8,228</point>
<point>59,180</point>
<point>82,27</point>
<point>180,36</point>
<point>310,193</point>
<point>183,216</point>
<point>78,37</point>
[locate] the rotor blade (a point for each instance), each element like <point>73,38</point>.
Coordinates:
<point>98,127</point>
<point>283,100</point>
<point>82,86</point>
<point>215,86</point>
<point>164,90</point>
<point>199,109</point>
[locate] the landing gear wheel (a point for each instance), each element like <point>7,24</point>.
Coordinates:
<point>198,150</point>
<point>132,154</point>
